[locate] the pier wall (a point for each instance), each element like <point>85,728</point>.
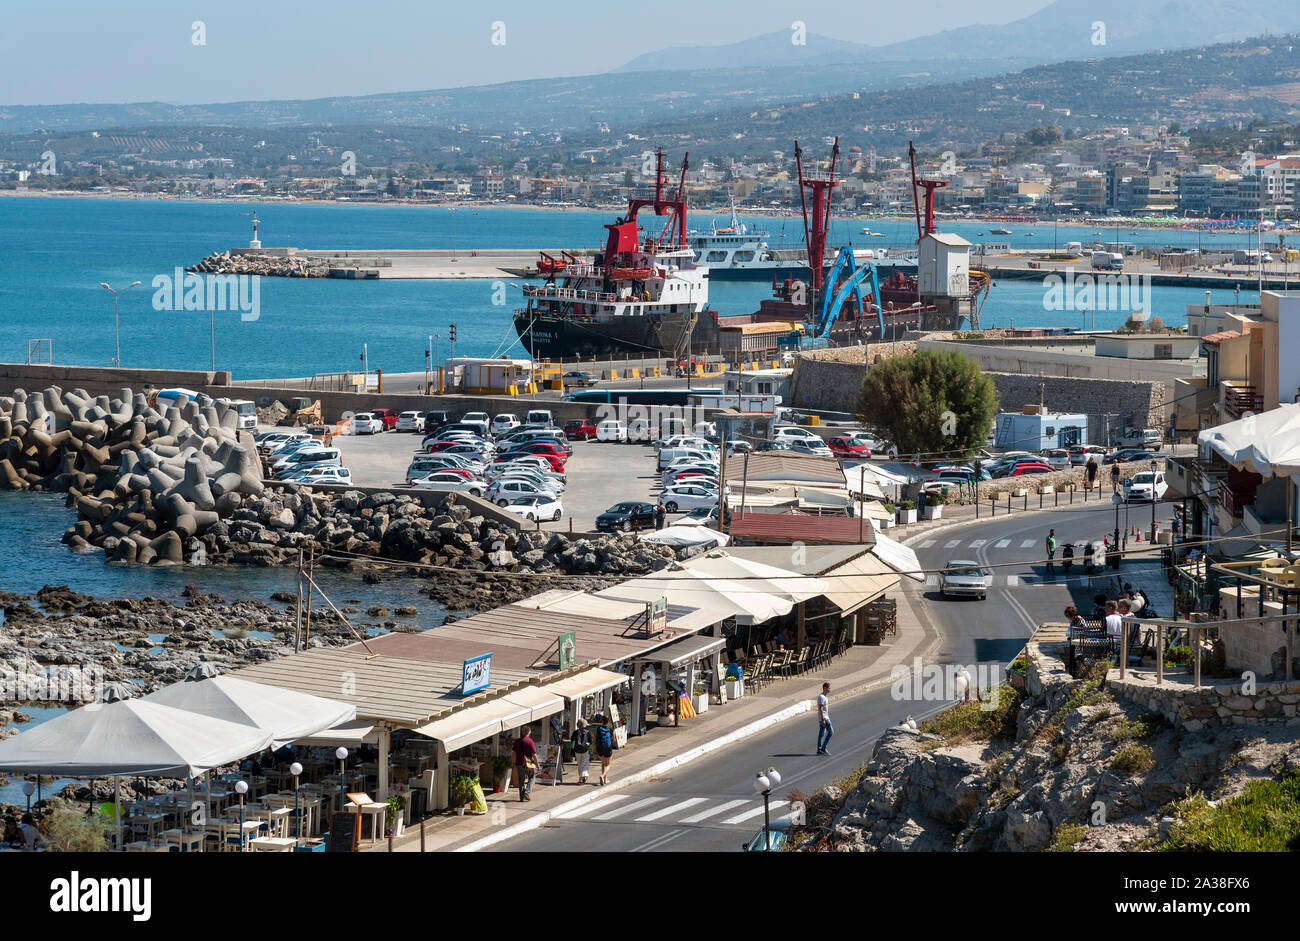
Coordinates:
<point>109,380</point>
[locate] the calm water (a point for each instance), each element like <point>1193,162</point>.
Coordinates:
<point>54,252</point>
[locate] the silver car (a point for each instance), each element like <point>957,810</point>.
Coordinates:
<point>964,577</point>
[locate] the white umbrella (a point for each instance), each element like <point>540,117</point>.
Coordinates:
<point>1268,443</point>
<point>683,534</point>
<point>286,714</point>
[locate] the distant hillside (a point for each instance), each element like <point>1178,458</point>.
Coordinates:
<point>773,49</point>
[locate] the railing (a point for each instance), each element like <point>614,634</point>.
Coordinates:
<point>1238,400</point>
<point>1206,477</point>
<point>550,291</point>
<point>1234,499</point>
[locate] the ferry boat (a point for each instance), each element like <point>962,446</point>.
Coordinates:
<point>643,295</point>
<point>999,231</point>
<point>734,252</point>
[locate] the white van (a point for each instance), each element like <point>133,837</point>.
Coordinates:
<point>540,418</point>
<point>247,413</point>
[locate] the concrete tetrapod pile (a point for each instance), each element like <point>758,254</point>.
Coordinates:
<point>145,481</point>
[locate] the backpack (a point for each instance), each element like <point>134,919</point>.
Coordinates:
<point>581,740</point>
<point>604,737</point>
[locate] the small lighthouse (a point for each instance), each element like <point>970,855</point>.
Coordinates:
<point>256,242</point>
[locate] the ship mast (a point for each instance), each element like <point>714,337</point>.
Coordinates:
<point>814,230</point>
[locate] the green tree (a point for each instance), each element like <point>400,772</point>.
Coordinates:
<point>936,403</point>
<point>67,829</point>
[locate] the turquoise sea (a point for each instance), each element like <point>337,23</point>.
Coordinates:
<point>54,252</point>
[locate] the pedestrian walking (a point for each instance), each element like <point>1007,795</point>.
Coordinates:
<point>824,728</point>
<point>582,748</point>
<point>1051,551</point>
<point>1114,477</point>
<point>1090,469</point>
<point>525,750</point>
<point>604,747</point>
<point>659,516</point>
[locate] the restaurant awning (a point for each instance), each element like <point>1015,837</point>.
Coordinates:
<point>474,723</point>
<point>539,701</point>
<point>586,683</point>
<point>858,581</point>
<point>356,732</point>
<point>1267,444</point>
<point>898,557</point>
<point>687,650</point>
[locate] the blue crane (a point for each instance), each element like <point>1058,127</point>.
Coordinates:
<point>830,306</point>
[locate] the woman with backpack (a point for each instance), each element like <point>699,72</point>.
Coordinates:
<point>582,748</point>
<point>604,747</point>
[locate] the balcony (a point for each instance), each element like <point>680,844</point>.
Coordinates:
<point>1206,476</point>
<point>1237,491</point>
<point>1240,399</point>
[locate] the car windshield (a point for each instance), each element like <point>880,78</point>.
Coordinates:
<point>622,508</point>
<point>527,501</point>
<point>1143,478</point>
<point>966,570</point>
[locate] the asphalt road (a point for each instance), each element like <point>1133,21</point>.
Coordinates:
<point>709,804</point>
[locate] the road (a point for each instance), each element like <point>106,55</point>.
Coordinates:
<point>709,804</point>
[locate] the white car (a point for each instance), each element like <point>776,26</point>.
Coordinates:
<point>687,497</point>
<point>1146,486</point>
<point>1056,458</point>
<point>536,508</point>
<point>446,480</point>
<point>533,462</point>
<point>323,475</point>
<point>791,433</point>
<point>818,447</point>
<point>504,422</point>
<point>545,481</point>
<point>363,423</point>
<point>276,439</point>
<point>611,431</point>
<point>304,459</point>
<point>505,492</point>
<point>410,421</point>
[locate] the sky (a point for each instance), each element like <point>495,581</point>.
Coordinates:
<point>89,51</point>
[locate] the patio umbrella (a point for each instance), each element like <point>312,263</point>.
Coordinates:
<point>286,714</point>
<point>682,534</point>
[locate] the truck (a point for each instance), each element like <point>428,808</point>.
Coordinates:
<point>303,411</point>
<point>1107,261</point>
<point>247,413</point>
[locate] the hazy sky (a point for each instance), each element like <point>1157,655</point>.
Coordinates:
<point>74,51</point>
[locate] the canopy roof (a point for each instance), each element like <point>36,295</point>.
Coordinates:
<point>1267,444</point>
<point>130,737</point>
<point>898,557</point>
<point>286,714</point>
<point>686,535</point>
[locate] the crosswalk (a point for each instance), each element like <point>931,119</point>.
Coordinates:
<point>976,544</point>
<point>625,808</point>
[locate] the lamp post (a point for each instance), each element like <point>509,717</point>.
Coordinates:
<point>28,788</point>
<point>241,788</point>
<point>1153,501</point>
<point>764,781</point>
<point>295,769</point>
<point>341,754</point>
<point>117,341</point>
<point>1116,499</point>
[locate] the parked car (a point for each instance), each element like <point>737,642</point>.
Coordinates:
<point>554,459</point>
<point>1080,453</point>
<point>738,448</point>
<point>817,448</point>
<point>611,431</point>
<point>505,423</point>
<point>478,420</point>
<point>849,446</point>
<point>580,378</point>
<point>1056,458</point>
<point>964,578</point>
<point>704,516</point>
<point>307,457</point>
<point>365,423</point>
<point>410,421</point>
<point>1149,438</point>
<point>540,479</point>
<point>536,508</point>
<point>668,455</point>
<point>1030,467</point>
<point>436,418</point>
<point>771,446</point>
<point>540,418</point>
<point>387,416</point>
<point>627,516</point>
<point>580,429</point>
<point>269,441</point>
<point>791,433</point>
<point>1146,487</point>
<point>1124,455</point>
<point>329,474</point>
<point>450,480</point>
<point>465,449</point>
<point>687,497</point>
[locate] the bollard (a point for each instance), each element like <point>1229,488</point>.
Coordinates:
<point>570,525</point>
<point>390,841</point>
<point>1026,499</point>
<point>421,836</point>
<point>1040,498</point>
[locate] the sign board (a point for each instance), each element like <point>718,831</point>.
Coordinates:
<point>550,768</point>
<point>568,650</point>
<point>657,615</point>
<point>476,674</point>
<point>344,832</point>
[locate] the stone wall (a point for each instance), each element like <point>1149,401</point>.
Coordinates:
<point>108,380</point>
<point>1194,708</point>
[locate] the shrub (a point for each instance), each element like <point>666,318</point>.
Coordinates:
<point>1265,817</point>
<point>1133,759</point>
<point>968,722</point>
<point>69,830</point>
<point>1067,836</point>
<point>1128,729</point>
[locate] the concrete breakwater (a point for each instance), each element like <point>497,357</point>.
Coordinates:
<point>177,485</point>
<point>270,266</point>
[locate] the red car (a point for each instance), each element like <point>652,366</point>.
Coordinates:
<point>849,446</point>
<point>556,461</point>
<point>387,416</point>
<point>580,429</point>
<point>1030,468</point>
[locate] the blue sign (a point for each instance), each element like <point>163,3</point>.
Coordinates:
<point>476,674</point>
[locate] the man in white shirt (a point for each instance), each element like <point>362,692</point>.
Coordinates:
<point>824,729</point>
<point>1114,625</point>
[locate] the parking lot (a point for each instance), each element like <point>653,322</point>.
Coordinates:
<point>598,475</point>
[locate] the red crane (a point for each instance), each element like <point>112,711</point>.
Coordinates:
<point>930,186</point>
<point>814,231</point>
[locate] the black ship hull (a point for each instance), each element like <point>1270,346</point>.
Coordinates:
<point>646,335</point>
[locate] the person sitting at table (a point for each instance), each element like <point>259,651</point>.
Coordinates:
<point>1074,621</point>
<point>11,835</point>
<point>780,638</point>
<point>734,670</point>
<point>31,836</point>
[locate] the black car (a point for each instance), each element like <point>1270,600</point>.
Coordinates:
<point>435,419</point>
<point>1124,455</point>
<point>627,516</point>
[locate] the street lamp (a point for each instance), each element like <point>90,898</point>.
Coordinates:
<point>764,781</point>
<point>1153,502</point>
<point>117,342</point>
<point>341,754</point>
<point>241,788</point>
<point>1116,499</point>
<point>295,769</point>
<point>28,789</point>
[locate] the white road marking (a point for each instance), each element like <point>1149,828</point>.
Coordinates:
<point>1028,544</point>
<point>1002,544</point>
<point>580,811</point>
<point>741,818</point>
<point>651,845</point>
<point>672,809</point>
<point>628,808</point>
<point>726,805</point>
<point>927,544</point>
<point>952,544</point>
